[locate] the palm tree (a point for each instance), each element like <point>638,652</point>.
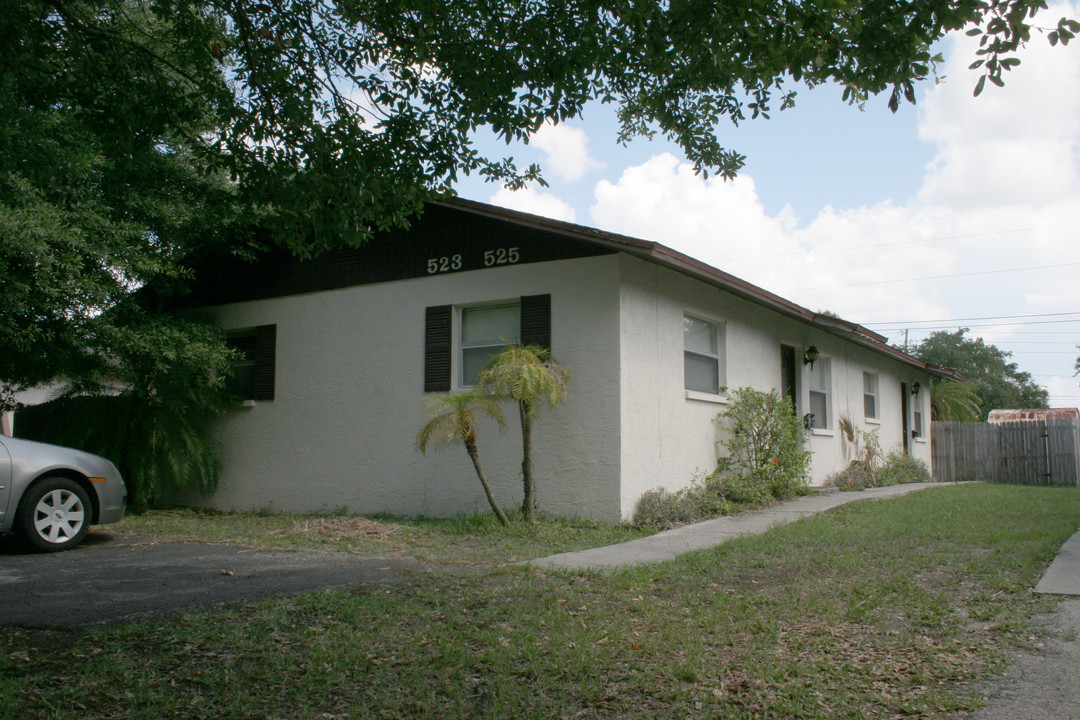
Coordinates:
<point>453,419</point>
<point>954,401</point>
<point>529,376</point>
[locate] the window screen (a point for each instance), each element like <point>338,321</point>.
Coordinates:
<point>701,355</point>
<point>819,392</point>
<point>484,331</point>
<point>870,395</point>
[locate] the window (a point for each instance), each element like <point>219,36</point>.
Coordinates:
<point>917,426</point>
<point>252,375</point>
<point>870,395</point>
<point>819,392</point>
<point>702,357</point>
<point>485,331</point>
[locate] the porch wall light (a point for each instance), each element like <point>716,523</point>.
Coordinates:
<point>810,356</point>
<point>915,388</point>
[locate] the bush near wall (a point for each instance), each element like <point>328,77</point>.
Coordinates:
<point>160,447</point>
<point>897,469</point>
<point>767,460</point>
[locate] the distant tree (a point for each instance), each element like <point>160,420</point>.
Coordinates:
<point>998,381</point>
<point>454,419</point>
<point>529,376</point>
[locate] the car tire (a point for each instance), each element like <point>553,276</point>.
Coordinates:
<point>54,514</point>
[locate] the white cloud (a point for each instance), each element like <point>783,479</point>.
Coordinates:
<point>1002,192</point>
<point>1016,145</point>
<point>533,201</point>
<point>566,150</point>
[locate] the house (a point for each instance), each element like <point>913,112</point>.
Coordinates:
<point>341,351</point>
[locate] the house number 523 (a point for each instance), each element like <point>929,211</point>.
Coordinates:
<point>443,264</point>
<point>501,256</point>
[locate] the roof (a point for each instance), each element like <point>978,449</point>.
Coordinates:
<point>450,226</point>
<point>662,255</point>
<point>1033,414</point>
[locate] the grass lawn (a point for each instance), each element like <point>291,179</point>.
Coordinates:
<point>874,610</point>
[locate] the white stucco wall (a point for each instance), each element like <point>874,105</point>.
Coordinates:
<point>669,435</point>
<point>340,432</point>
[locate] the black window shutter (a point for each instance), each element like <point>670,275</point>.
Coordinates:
<point>265,349</point>
<point>536,320</point>
<point>437,349</point>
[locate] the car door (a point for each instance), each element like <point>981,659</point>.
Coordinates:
<point>5,484</point>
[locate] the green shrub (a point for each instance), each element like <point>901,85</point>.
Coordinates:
<point>897,469</point>
<point>151,410</point>
<point>701,500</point>
<point>766,444</point>
<point>900,469</point>
<point>856,476</point>
<point>767,461</point>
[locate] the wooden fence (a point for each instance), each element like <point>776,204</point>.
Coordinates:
<point>1040,452</point>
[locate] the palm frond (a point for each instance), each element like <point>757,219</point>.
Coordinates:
<point>955,401</point>
<point>454,418</point>
<point>527,374</point>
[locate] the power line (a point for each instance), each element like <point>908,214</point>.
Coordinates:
<point>1041,342</point>
<point>1044,352</point>
<point>985,317</point>
<point>934,277</point>
<point>984,325</point>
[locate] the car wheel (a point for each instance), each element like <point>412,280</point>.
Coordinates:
<point>54,514</point>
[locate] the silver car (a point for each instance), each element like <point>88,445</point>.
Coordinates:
<point>51,495</point>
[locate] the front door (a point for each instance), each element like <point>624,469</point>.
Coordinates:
<point>788,384</point>
<point>906,413</point>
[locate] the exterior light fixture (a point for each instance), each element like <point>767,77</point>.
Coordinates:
<point>915,388</point>
<point>810,356</point>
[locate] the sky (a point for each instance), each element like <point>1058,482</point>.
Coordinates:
<point>956,212</point>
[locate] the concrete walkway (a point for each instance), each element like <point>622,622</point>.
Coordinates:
<point>671,543</point>
<point>1063,575</point>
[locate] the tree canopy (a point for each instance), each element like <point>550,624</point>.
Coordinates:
<point>998,381</point>
<point>133,132</point>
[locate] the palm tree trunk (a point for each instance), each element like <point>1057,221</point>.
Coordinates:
<point>470,445</point>
<point>528,505</point>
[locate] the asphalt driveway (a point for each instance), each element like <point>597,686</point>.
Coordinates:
<point>117,577</point>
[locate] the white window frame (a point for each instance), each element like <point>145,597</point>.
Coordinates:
<point>821,375</point>
<point>873,394</point>
<point>717,328</point>
<point>463,347</point>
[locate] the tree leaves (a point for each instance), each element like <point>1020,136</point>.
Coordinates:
<point>134,131</point>
<point>998,382</point>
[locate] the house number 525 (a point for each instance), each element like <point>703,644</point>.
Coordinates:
<point>501,256</point>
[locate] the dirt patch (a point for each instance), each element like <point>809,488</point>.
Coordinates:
<point>347,528</point>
